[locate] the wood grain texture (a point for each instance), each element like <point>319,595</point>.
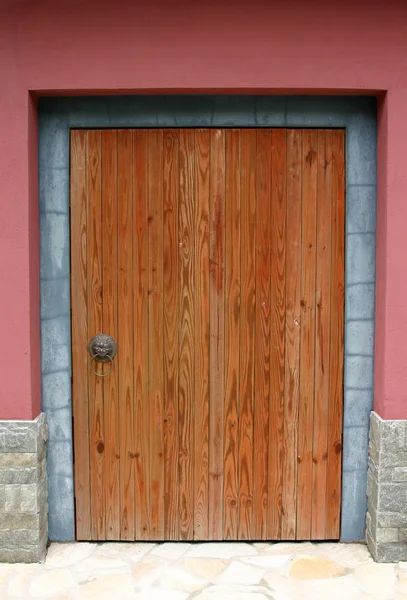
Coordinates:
<point>155,331</point>
<point>109,312</point>
<point>322,334</point>
<point>140,335</point>
<point>232,334</point>
<point>186,333</point>
<point>277,330</point>
<point>292,335</point>
<point>333,501</point>
<point>262,345</point>
<point>79,300</point>
<point>307,344</point>
<point>125,355</point>
<point>247,331</point>
<point>201,333</point>
<point>170,258</point>
<point>95,326</point>
<point>217,331</point>
<point>216,259</point>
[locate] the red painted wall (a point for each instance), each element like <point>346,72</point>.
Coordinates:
<point>334,46</point>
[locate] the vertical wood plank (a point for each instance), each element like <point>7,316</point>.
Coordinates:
<point>140,334</point>
<point>322,334</point>
<point>80,340</point>
<point>170,257</point>
<point>262,346</point>
<point>333,497</point>
<point>125,357</point>
<point>277,330</point>
<point>307,343</point>
<point>95,326</point>
<point>292,334</point>
<point>247,330</point>
<point>186,334</point>
<point>110,383</point>
<point>232,340</point>
<point>217,332</point>
<point>155,331</point>
<point>201,401</point>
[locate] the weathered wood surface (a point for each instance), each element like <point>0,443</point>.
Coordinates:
<point>216,259</point>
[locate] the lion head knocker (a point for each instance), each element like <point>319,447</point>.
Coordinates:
<point>102,348</point>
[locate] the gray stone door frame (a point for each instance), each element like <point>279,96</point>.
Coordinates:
<point>57,116</point>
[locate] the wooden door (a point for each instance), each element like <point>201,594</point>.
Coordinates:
<point>215,258</point>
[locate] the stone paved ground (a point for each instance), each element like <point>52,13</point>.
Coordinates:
<point>221,571</point>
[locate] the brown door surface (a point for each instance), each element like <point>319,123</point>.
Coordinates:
<point>215,259</point>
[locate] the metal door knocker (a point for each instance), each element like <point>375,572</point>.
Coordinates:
<point>102,348</point>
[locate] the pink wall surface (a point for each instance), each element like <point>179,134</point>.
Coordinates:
<point>77,47</point>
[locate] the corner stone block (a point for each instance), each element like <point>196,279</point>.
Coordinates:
<point>23,490</point>
<point>387,490</point>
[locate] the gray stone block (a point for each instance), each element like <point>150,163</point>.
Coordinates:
<point>18,521</point>
<point>18,475</point>
<point>391,519</point>
<point>239,111</point>
<point>375,430</point>
<point>14,538</point>
<point>54,190</point>
<point>29,499</point>
<point>361,149</point>
<point>2,497</point>
<point>60,424</point>
<point>53,149</point>
<point>56,390</point>
<point>55,345</point>
<point>398,473</point>
<point>22,555</point>
<point>176,111</point>
<point>353,506</point>
<point>397,458</point>
<point>361,209</point>
<point>357,407</point>
<point>391,552</point>
<point>87,112</point>
<point>359,372</point>
<point>17,461</point>
<point>54,229</point>
<point>320,111</point>
<point>359,338</point>
<point>387,535</point>
<point>12,498</point>
<point>61,517</point>
<point>60,458</point>
<point>372,546</point>
<point>134,111</point>
<point>18,436</point>
<point>270,111</point>
<point>23,490</point>
<point>55,300</point>
<point>393,436</point>
<point>355,448</point>
<point>360,301</point>
<point>360,258</point>
<point>392,497</point>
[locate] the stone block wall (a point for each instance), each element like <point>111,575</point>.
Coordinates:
<point>23,490</point>
<point>387,490</point>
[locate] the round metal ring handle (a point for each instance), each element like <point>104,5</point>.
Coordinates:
<point>102,348</point>
<point>93,358</point>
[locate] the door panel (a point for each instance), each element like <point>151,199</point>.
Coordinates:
<point>215,258</point>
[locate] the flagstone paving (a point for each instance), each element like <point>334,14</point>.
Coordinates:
<point>223,571</point>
